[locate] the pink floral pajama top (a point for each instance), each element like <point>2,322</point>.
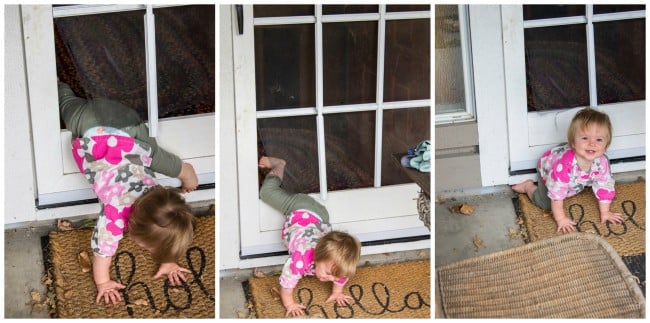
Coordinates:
<point>301,232</point>
<point>559,170</point>
<point>117,167</point>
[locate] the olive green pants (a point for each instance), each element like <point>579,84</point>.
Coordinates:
<point>272,194</point>
<point>540,196</point>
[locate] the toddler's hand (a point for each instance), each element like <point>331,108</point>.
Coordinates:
<point>295,309</point>
<point>565,225</point>
<point>340,298</point>
<point>109,292</point>
<point>173,271</point>
<point>610,217</point>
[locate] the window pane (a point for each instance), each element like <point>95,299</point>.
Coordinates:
<point>350,152</point>
<point>282,11</point>
<point>616,8</point>
<point>294,140</point>
<point>532,12</point>
<point>407,64</point>
<point>397,140</point>
<point>349,63</point>
<point>185,60</point>
<point>449,78</point>
<point>347,9</point>
<point>620,61</point>
<point>284,67</point>
<point>556,67</point>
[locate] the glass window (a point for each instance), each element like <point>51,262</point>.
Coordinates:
<point>620,61</point>
<point>556,67</point>
<point>284,66</point>
<point>452,69</point>
<point>408,60</point>
<point>349,63</point>
<point>287,88</point>
<point>557,56</point>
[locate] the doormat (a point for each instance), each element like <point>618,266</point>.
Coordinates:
<point>636,265</point>
<point>144,297</point>
<point>568,276</point>
<point>399,290</point>
<point>628,238</point>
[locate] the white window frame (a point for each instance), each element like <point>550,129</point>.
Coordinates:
<point>529,132</point>
<point>261,234</point>
<point>58,179</point>
<point>469,113</point>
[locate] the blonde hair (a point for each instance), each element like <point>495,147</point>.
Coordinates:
<point>586,117</point>
<point>162,221</point>
<point>342,249</point>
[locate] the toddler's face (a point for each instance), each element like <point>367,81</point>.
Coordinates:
<point>324,271</point>
<point>590,142</point>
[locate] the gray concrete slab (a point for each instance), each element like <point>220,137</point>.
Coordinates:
<point>492,220</point>
<point>24,270</point>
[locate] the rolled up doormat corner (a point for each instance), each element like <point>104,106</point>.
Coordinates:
<point>628,238</point>
<point>399,290</point>
<point>144,297</point>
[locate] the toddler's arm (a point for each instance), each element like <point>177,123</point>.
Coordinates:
<point>564,224</point>
<point>293,308</point>
<point>106,288</point>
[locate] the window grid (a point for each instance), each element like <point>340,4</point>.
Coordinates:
<point>588,19</point>
<point>320,110</point>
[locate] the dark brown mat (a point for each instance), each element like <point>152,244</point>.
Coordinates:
<point>390,291</point>
<point>627,238</point>
<point>144,297</point>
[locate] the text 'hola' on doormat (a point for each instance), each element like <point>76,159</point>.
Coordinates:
<point>144,297</point>
<point>400,290</point>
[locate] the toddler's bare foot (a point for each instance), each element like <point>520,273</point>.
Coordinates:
<point>275,164</point>
<point>189,180</point>
<point>525,186</point>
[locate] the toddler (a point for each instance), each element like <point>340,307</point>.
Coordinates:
<point>314,249</point>
<point>112,148</point>
<point>565,170</point>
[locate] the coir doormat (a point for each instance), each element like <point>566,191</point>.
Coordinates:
<point>399,290</point>
<point>628,238</point>
<point>575,275</point>
<point>144,297</point>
